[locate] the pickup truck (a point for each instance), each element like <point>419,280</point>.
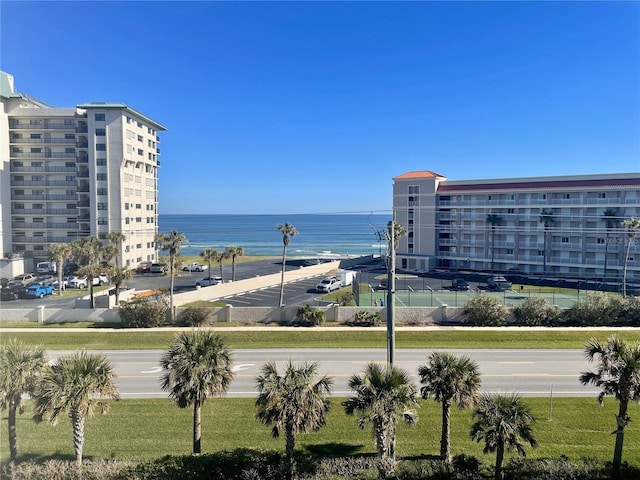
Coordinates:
<point>38,291</point>
<point>83,282</point>
<point>498,283</point>
<point>329,284</point>
<point>194,267</point>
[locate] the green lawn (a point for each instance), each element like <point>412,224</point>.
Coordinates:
<point>59,339</point>
<point>145,429</point>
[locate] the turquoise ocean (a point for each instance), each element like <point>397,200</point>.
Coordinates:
<point>318,235</point>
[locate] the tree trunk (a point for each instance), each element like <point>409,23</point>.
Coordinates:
<point>197,427</point>
<point>60,277</point>
<point>13,444</point>
<point>172,259</point>
<point>233,270</point>
<point>117,285</point>
<point>284,257</point>
<point>499,458</point>
<point>90,280</point>
<point>77,424</point>
<point>221,272</point>
<point>445,447</point>
<point>290,450</point>
<point>622,419</point>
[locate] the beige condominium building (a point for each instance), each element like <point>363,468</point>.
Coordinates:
<point>568,226</point>
<point>74,172</point>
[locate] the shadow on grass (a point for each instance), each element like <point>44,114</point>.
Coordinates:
<point>34,458</point>
<point>421,457</point>
<point>334,449</point>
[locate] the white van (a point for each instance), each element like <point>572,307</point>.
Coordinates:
<point>47,267</point>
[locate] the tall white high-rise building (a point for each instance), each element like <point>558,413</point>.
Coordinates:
<point>568,226</point>
<point>74,172</point>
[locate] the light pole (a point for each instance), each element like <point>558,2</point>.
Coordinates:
<point>391,288</point>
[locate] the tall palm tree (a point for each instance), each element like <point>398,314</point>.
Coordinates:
<point>89,251</point>
<point>617,374</point>
<point>611,220</point>
<point>171,242</point>
<point>383,395</point>
<point>74,385</point>
<point>632,227</point>
<point>20,370</point>
<point>294,402</point>
<point>450,379</point>
<point>209,255</point>
<point>59,252</point>
<point>198,365</point>
<point>493,220</point>
<point>502,421</point>
<point>547,218</point>
<point>118,276</point>
<point>116,239</point>
<point>287,230</point>
<point>234,253</point>
<point>222,256</point>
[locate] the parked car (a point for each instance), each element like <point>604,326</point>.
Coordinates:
<point>158,268</point>
<point>25,278</point>
<point>65,282</point>
<point>498,283</point>
<point>38,291</point>
<point>144,267</point>
<point>13,291</point>
<point>77,282</point>
<point>329,284</point>
<point>206,282</point>
<point>194,267</point>
<point>4,282</point>
<point>459,285</point>
<point>45,280</point>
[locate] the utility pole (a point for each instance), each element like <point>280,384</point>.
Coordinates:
<point>391,290</point>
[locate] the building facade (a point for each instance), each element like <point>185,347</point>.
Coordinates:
<point>75,172</point>
<point>569,226</point>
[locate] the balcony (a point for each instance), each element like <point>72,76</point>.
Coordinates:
<point>48,183</point>
<point>82,129</point>
<point>43,197</point>
<point>40,226</point>
<point>83,188</point>
<point>40,125</point>
<point>43,155</point>
<point>83,173</point>
<point>82,144</point>
<point>19,239</point>
<point>43,141</point>
<point>44,211</point>
<point>17,169</point>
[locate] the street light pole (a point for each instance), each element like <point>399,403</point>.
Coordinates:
<point>391,289</point>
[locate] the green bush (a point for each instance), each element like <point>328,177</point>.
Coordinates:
<point>195,316</point>
<point>309,317</point>
<point>144,313</point>
<point>536,311</point>
<point>63,470</point>
<point>596,309</point>
<point>345,298</point>
<point>485,311</point>
<point>365,319</point>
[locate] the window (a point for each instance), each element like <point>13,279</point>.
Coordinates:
<point>101,176</point>
<point>71,192</point>
<point>18,178</point>
<point>36,135</point>
<point>101,191</point>
<point>36,150</point>
<point>139,124</point>
<point>541,253</point>
<point>565,240</point>
<point>602,195</point>
<point>138,219</point>
<point>103,221</point>
<point>126,206</point>
<point>140,152</point>
<point>126,221</point>
<point>140,138</point>
<point>36,164</point>
<point>509,251</point>
<point>510,210</point>
<point>18,192</point>
<point>38,220</point>
<point>102,206</point>
<point>128,119</point>
<point>70,206</point>
<point>69,164</point>
<point>138,245</point>
<point>19,206</point>
<point>414,190</point>
<point>69,136</point>
<point>101,147</point>
<point>70,178</point>
<point>69,150</point>
<point>138,205</point>
<point>100,117</point>
<point>101,132</point>
<point>101,162</point>
<point>600,241</point>
<point>37,192</point>
<point>566,196</point>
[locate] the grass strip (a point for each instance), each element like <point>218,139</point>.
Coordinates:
<point>150,428</point>
<point>97,339</point>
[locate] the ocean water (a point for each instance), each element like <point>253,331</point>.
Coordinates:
<point>318,235</point>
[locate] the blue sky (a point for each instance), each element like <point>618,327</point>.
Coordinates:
<point>305,107</point>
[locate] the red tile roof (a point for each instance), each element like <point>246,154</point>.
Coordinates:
<point>418,174</point>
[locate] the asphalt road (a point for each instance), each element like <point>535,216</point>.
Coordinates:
<point>531,373</point>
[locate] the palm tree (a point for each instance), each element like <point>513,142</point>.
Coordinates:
<point>295,402</point>
<point>222,256</point>
<point>493,220</point>
<point>118,276</point>
<point>73,385</point>
<point>618,374</point>
<point>610,218</point>
<point>450,379</point>
<point>383,395</point>
<point>632,226</point>
<point>548,219</point>
<point>59,252</point>
<point>502,421</point>
<point>209,255</point>
<point>234,253</point>
<point>116,239</point>
<point>171,242</point>
<point>198,365</point>
<point>89,251</point>
<point>287,230</point>
<point>20,370</point>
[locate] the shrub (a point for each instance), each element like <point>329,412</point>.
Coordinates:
<point>345,298</point>
<point>536,311</point>
<point>63,470</point>
<point>195,316</point>
<point>144,313</point>
<point>484,310</point>
<point>365,319</point>
<point>597,309</point>
<point>309,317</point>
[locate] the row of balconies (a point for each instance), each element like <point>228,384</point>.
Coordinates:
<point>44,141</point>
<point>43,197</point>
<point>42,225</point>
<point>43,155</point>
<point>43,183</point>
<point>44,211</point>
<point>549,202</point>
<point>41,125</point>
<point>47,169</point>
<point>43,239</point>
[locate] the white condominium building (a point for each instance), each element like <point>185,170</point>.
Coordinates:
<point>74,172</point>
<point>569,226</point>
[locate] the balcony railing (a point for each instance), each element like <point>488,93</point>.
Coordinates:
<point>40,226</point>
<point>19,239</point>
<point>43,155</point>
<point>43,197</point>
<point>17,169</point>
<point>83,173</point>
<point>82,129</point>
<point>41,126</point>
<point>47,183</point>
<point>44,211</point>
<point>43,141</point>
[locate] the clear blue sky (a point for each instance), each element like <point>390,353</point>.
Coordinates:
<point>314,107</point>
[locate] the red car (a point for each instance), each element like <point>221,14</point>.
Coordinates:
<point>144,267</point>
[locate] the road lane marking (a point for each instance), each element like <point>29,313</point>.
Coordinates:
<point>153,370</point>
